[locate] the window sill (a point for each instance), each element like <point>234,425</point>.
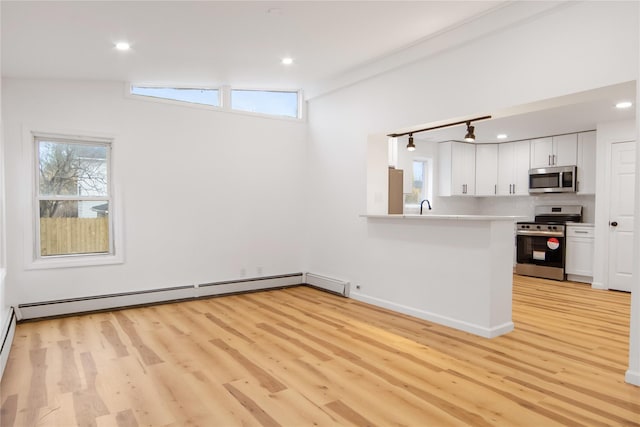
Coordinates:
<point>74,261</point>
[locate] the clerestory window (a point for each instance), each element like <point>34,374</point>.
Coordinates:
<point>203,96</point>
<point>275,103</point>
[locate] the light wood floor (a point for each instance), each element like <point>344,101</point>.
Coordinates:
<point>301,357</point>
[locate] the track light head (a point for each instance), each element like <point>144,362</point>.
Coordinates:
<point>411,146</point>
<point>470,136</point>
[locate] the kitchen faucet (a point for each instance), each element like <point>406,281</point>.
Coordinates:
<point>422,203</point>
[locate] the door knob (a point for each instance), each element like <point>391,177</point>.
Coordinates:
<point>613,223</point>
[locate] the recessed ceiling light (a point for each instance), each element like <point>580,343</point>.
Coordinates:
<point>123,46</point>
<point>624,104</point>
<point>502,136</point>
<point>287,61</point>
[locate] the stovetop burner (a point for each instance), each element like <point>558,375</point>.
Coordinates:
<point>555,215</point>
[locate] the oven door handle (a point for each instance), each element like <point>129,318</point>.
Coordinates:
<point>539,233</point>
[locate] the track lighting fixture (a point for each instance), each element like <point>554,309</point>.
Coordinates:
<point>411,146</point>
<point>470,136</point>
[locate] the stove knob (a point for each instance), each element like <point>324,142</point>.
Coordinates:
<point>538,227</point>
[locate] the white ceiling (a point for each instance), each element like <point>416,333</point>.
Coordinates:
<point>238,43</point>
<point>568,114</point>
<point>241,43</point>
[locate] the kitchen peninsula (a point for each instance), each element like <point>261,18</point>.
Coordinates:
<point>454,270</point>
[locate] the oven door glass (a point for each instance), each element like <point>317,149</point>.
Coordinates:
<point>541,250</point>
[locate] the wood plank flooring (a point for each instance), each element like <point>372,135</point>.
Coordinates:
<point>301,357</point>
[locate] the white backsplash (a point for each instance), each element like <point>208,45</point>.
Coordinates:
<point>525,205</point>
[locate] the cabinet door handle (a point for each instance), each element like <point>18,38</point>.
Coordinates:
<point>514,189</point>
<point>495,188</point>
<point>577,186</point>
<point>580,232</point>
<point>613,223</point>
<point>549,161</point>
<point>554,159</point>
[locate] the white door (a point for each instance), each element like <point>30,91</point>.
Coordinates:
<point>623,169</point>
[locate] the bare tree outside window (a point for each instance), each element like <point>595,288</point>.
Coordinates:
<point>73,197</point>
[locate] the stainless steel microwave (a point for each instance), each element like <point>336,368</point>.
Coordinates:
<point>560,179</point>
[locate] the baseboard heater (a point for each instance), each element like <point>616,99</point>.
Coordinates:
<point>8,332</point>
<point>330,284</point>
<point>155,296</point>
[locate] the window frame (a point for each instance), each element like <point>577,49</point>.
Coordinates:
<point>129,93</point>
<point>427,172</point>
<point>224,96</point>
<point>299,103</point>
<point>33,257</point>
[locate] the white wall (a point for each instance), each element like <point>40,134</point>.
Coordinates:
<point>206,195</point>
<point>633,373</point>
<point>577,47</point>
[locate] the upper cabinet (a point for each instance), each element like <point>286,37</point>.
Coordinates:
<point>457,161</point>
<point>586,180</point>
<point>486,169</point>
<point>558,150</point>
<point>513,168</point>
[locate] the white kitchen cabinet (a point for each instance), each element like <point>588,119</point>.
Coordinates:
<point>586,162</point>
<point>579,253</point>
<point>513,168</point>
<point>560,150</point>
<point>457,165</point>
<point>486,169</point>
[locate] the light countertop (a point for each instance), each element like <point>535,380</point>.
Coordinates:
<point>430,216</point>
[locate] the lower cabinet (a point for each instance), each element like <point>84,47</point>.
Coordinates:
<point>579,253</point>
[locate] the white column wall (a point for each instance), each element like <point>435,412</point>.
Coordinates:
<point>206,195</point>
<point>577,47</point>
<point>633,373</point>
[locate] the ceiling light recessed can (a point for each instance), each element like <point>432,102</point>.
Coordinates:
<point>287,61</point>
<point>502,136</point>
<point>624,104</point>
<point>123,46</point>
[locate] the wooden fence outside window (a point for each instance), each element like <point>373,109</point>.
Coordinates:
<point>64,236</point>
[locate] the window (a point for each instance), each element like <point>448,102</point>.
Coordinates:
<point>422,182</point>
<point>276,103</point>
<point>73,197</point>
<point>202,96</point>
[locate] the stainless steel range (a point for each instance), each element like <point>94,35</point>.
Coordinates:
<point>541,243</point>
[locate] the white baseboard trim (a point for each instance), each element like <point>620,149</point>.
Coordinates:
<point>598,285</point>
<point>632,377</point>
<point>579,278</point>
<point>6,339</point>
<point>155,296</point>
<point>436,318</point>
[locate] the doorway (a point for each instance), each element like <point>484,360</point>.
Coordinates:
<point>621,215</point>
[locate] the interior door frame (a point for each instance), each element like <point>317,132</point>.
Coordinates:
<point>607,134</point>
<point>610,217</point>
